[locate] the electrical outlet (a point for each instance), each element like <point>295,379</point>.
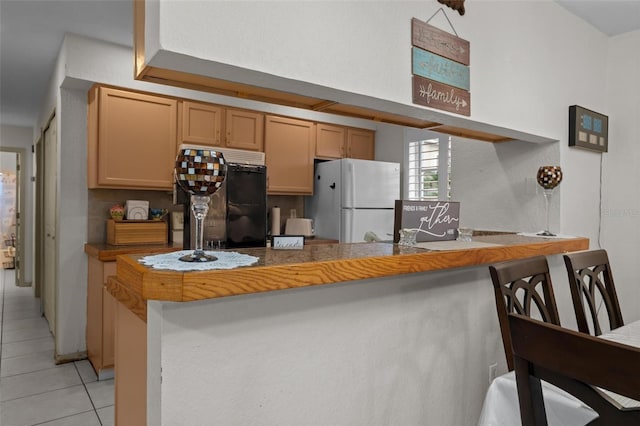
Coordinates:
<point>492,372</point>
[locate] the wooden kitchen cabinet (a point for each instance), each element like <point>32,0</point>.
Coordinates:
<point>330,141</point>
<point>132,140</point>
<point>289,148</point>
<point>213,125</point>
<point>341,142</point>
<point>361,144</point>
<point>244,130</point>
<point>100,318</point>
<point>200,123</point>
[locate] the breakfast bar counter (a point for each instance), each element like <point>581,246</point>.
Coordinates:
<point>365,333</point>
<point>319,265</point>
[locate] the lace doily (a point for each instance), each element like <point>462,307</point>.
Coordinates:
<point>226,260</point>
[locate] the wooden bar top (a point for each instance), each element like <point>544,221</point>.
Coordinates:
<point>317,265</point>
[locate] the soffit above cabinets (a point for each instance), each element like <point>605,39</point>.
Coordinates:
<point>345,104</point>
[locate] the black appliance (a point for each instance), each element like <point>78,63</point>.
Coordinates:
<point>246,217</point>
<point>237,214</point>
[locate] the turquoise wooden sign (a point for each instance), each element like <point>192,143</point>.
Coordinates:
<point>443,70</point>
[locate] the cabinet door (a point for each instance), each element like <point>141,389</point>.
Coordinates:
<point>108,328</point>
<point>201,124</point>
<point>135,146</point>
<point>330,141</point>
<point>361,144</point>
<point>108,317</point>
<point>289,148</point>
<point>244,130</point>
<point>95,285</point>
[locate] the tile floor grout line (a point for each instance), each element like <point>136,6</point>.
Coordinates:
<point>27,340</point>
<point>32,371</point>
<point>88,394</point>
<point>65,417</point>
<point>43,392</point>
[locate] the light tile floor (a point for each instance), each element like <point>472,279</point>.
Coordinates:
<point>33,389</point>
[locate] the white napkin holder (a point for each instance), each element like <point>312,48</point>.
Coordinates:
<point>136,210</point>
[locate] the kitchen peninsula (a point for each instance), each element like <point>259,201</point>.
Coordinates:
<point>354,352</point>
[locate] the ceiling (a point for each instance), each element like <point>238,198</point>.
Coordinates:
<point>31,33</point>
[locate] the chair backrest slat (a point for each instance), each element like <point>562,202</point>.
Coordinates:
<point>591,279</point>
<point>520,285</point>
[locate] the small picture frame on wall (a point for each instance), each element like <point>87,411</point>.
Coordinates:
<point>588,129</point>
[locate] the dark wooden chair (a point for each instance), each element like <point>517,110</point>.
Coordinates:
<point>574,362</point>
<point>522,286</point>
<point>591,280</point>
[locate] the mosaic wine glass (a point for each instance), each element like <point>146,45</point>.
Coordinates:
<point>200,172</point>
<point>548,178</point>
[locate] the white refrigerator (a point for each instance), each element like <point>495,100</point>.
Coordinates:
<point>354,198</point>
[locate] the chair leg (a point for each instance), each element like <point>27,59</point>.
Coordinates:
<point>532,410</point>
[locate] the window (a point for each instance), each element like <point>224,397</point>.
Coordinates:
<point>428,169</point>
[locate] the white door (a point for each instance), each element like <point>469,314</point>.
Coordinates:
<point>370,184</point>
<point>358,222</point>
<point>50,176</point>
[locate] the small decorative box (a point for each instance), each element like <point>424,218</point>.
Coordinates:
<point>132,232</point>
<point>137,210</point>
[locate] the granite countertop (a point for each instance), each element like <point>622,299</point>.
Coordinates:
<point>108,253</point>
<point>319,264</point>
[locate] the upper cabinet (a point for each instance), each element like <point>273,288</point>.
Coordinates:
<point>244,129</point>
<point>289,150</point>
<point>213,125</point>
<point>361,144</point>
<point>330,141</point>
<point>132,140</point>
<point>335,142</point>
<point>200,124</point>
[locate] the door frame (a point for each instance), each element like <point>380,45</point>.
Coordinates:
<point>38,231</point>
<point>21,154</point>
<point>40,221</point>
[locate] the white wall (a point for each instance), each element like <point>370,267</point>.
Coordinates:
<point>407,350</point>
<point>621,176</point>
<point>351,51</point>
<point>14,137</point>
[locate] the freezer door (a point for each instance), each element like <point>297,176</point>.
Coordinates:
<point>324,206</point>
<point>370,184</point>
<point>357,222</point>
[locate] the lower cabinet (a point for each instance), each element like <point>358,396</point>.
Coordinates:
<point>100,318</point>
<point>289,147</point>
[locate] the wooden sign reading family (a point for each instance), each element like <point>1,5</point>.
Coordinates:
<point>440,96</point>
<point>440,69</point>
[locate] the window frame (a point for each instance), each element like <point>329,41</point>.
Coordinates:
<point>444,167</point>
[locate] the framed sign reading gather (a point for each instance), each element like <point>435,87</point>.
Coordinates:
<point>588,129</point>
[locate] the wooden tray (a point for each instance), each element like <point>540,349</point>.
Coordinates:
<point>131,232</point>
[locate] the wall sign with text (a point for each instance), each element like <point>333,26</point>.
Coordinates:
<point>434,220</point>
<point>440,68</point>
<point>588,129</point>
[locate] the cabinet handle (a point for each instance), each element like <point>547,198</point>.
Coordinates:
<point>228,138</point>
<point>218,136</point>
